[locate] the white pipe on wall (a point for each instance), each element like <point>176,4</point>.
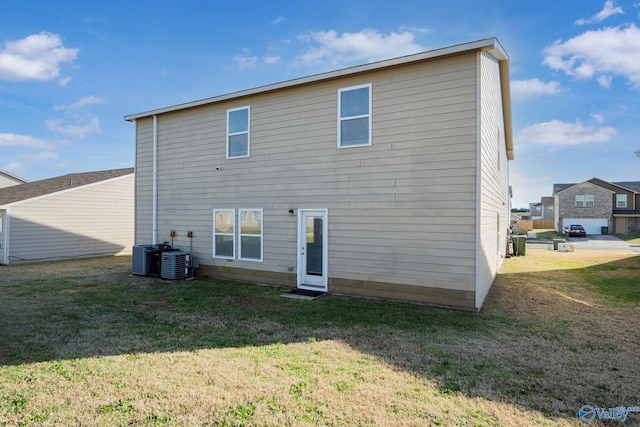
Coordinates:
<point>155,181</point>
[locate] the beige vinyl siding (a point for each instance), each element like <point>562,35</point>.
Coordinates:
<point>401,211</point>
<point>87,221</point>
<point>144,181</point>
<point>494,198</point>
<point>7,181</point>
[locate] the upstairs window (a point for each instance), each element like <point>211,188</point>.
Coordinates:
<point>589,201</point>
<point>621,200</point>
<point>238,132</point>
<point>585,201</point>
<point>354,116</point>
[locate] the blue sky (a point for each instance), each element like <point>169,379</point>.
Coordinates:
<point>70,71</point>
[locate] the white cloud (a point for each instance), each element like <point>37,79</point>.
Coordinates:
<point>74,131</point>
<point>598,118</point>
<point>279,20</point>
<point>64,81</point>
<point>564,134</point>
<point>367,45</point>
<point>599,54</point>
<point>525,89</point>
<point>83,102</point>
<point>607,11</point>
<point>23,141</point>
<point>36,57</point>
<point>246,60</point>
<point>271,59</point>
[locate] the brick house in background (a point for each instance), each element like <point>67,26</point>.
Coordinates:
<point>597,203</point>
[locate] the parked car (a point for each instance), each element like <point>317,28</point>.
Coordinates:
<point>575,230</point>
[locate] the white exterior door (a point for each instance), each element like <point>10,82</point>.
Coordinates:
<point>312,249</point>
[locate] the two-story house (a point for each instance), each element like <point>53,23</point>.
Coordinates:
<point>597,203</point>
<point>385,180</point>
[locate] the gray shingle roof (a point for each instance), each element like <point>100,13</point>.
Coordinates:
<point>630,185</point>
<point>43,187</point>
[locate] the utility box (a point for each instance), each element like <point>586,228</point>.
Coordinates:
<point>566,247</point>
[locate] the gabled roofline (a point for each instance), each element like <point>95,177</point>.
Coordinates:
<point>599,179</point>
<point>491,44</point>
<point>588,181</point>
<point>35,190</point>
<point>17,178</point>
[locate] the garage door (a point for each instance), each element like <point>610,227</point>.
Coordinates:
<point>592,225</point>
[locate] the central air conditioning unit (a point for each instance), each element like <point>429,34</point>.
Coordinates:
<point>140,259</point>
<point>174,265</point>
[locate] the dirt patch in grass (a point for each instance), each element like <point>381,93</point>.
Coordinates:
<point>87,343</point>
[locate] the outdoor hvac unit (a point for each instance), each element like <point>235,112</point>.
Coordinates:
<point>140,259</point>
<point>174,265</point>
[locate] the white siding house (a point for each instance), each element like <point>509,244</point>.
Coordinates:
<point>9,180</point>
<point>72,216</point>
<point>384,180</point>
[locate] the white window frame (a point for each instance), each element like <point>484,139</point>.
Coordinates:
<point>621,198</point>
<point>240,235</point>
<point>247,132</point>
<point>233,235</point>
<point>361,116</point>
<point>589,200</point>
<point>585,201</point>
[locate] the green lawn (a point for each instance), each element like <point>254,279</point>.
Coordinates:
<point>87,343</point>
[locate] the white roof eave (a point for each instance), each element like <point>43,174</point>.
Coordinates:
<point>491,45</point>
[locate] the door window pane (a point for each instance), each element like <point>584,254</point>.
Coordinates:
<point>314,246</point>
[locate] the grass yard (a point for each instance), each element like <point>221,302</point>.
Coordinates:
<point>85,343</point>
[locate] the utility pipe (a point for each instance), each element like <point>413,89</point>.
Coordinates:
<point>155,181</point>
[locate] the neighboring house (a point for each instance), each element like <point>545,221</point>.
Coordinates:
<point>542,209</point>
<point>597,203</point>
<point>72,216</point>
<point>383,180</point>
<point>8,180</point>
<point>536,210</point>
<point>546,207</point>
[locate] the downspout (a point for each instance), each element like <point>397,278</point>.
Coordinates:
<point>154,221</point>
<point>478,189</point>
